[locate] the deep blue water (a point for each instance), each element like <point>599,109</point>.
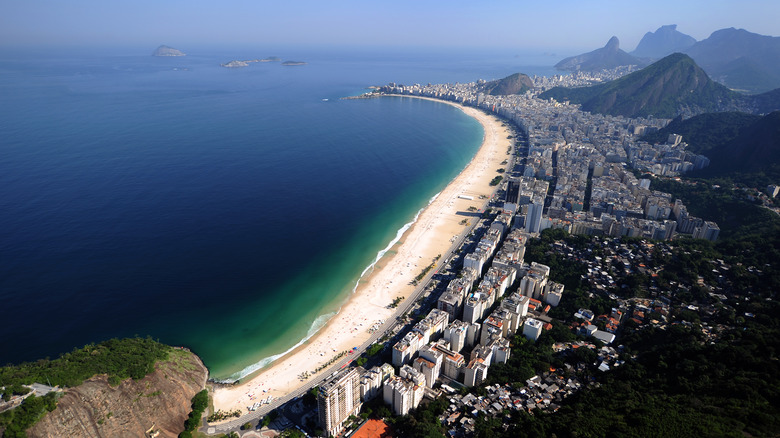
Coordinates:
<point>222,209</point>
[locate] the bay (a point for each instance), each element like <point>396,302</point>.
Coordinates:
<point>227,210</point>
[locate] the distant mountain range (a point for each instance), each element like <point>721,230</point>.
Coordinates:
<point>672,86</point>
<point>607,57</point>
<point>664,41</point>
<point>704,132</point>
<point>739,59</point>
<point>737,144</point>
<point>517,83</point>
<point>666,88</point>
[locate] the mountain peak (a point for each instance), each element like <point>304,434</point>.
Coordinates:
<point>671,86</point>
<point>613,44</point>
<point>664,41</point>
<point>609,56</point>
<point>517,83</point>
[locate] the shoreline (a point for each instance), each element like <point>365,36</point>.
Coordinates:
<point>387,278</point>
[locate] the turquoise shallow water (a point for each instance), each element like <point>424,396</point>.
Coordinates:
<point>230,211</point>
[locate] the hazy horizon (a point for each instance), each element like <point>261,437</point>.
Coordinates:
<point>561,29</point>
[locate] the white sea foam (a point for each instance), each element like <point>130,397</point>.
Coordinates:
<point>323,319</point>
<point>398,235</point>
<point>313,329</point>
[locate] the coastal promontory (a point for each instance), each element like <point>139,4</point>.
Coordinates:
<point>129,388</point>
<point>168,51</point>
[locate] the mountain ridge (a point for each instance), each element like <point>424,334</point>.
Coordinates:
<point>664,41</point>
<point>666,88</point>
<point>740,59</point>
<point>517,83</point>
<point>607,57</point>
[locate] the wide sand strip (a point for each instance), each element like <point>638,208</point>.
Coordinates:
<point>430,236</point>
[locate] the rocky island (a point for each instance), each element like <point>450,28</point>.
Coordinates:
<point>293,63</point>
<point>245,63</point>
<point>237,64</point>
<point>168,51</point>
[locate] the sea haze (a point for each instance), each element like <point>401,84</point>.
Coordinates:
<point>228,210</point>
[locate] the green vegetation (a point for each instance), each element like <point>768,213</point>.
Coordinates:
<point>705,131</point>
<point>374,349</point>
<point>200,402</point>
<point>740,146</point>
<point>292,433</point>
<point>663,89</point>
<point>15,389</point>
<point>269,418</point>
<point>223,415</point>
<point>517,83</point>
<point>425,270</point>
<point>17,421</point>
<point>496,181</point>
<point>678,380</point>
<point>736,214</point>
<point>677,385</point>
<point>119,358</point>
<point>396,302</point>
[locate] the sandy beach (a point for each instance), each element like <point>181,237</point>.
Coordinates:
<point>430,236</point>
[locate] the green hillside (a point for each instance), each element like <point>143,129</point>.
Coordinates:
<point>671,86</point>
<point>517,83</point>
<point>705,131</point>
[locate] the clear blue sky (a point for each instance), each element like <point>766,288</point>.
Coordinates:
<point>520,24</point>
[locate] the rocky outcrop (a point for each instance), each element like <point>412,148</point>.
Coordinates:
<point>517,83</point>
<point>168,51</point>
<point>160,401</point>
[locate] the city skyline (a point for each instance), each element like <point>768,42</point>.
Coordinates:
<point>516,25</point>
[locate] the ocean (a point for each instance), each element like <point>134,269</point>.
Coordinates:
<point>231,211</point>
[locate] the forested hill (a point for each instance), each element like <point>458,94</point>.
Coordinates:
<point>517,83</point>
<point>740,59</point>
<point>705,131</point>
<point>755,152</point>
<point>740,146</point>
<point>115,388</point>
<point>666,88</point>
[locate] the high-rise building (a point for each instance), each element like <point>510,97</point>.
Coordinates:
<point>512,191</point>
<point>532,329</point>
<point>708,230</point>
<point>533,218</point>
<point>339,397</point>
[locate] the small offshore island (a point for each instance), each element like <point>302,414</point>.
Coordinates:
<point>167,51</point>
<point>238,64</point>
<point>288,63</point>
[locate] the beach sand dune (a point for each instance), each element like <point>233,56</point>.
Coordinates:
<point>430,236</point>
